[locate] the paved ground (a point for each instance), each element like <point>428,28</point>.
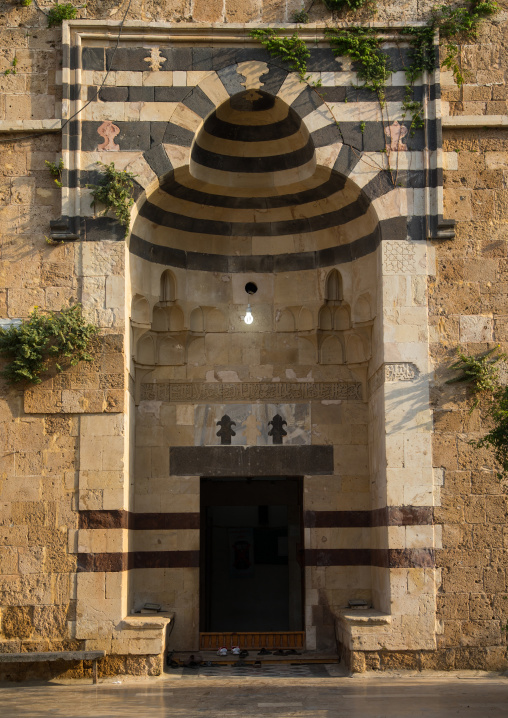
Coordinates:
<point>322,693</point>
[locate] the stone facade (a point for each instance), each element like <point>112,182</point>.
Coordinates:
<point>359,308</point>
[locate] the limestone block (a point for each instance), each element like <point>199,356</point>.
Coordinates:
<point>26,590</point>
<point>475,328</point>
<point>419,536</point>
<point>116,585</point>
<point>115,292</point>
<point>102,425</point>
<point>90,499</point>
<point>291,89</point>
<point>158,79</point>
<point>101,259</point>
<point>417,449</point>
<point>114,499</point>
<point>396,537</point>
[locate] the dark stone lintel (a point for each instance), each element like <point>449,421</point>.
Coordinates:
<point>239,461</point>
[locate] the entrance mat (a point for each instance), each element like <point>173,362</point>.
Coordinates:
<point>252,640</point>
<point>311,670</point>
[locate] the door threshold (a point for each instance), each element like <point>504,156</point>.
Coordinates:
<point>252,640</point>
<point>302,657</point>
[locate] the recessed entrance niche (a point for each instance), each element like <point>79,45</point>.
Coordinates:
<point>253,208</point>
<point>251,555</point>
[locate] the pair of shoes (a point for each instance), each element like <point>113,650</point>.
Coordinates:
<point>244,654</point>
<point>264,652</point>
<point>257,664</point>
<point>222,651</point>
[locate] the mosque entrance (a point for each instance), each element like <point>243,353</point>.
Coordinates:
<point>251,559</point>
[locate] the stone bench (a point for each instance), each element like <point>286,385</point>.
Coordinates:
<point>55,656</point>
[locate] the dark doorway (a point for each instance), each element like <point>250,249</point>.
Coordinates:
<point>251,567</point>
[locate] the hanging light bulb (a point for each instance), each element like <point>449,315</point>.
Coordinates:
<point>248,318</point>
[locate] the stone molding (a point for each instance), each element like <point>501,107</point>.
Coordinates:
<point>252,391</point>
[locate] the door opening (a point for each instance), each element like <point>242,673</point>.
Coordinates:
<point>251,549</point>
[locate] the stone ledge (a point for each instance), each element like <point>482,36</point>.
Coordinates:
<point>30,125</point>
<point>466,121</point>
<point>144,621</point>
<point>364,617</point>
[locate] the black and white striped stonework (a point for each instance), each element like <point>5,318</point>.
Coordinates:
<point>253,188</point>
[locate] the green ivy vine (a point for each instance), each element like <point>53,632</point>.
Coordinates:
<point>364,47</point>
<point>481,373</point>
<point>59,338</point>
<point>115,191</point>
<point>290,49</point>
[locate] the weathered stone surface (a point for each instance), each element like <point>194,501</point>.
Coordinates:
<point>17,622</point>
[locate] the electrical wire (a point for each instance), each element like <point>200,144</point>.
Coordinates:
<point>92,99</point>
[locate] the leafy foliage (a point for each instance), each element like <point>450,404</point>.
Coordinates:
<point>12,69</point>
<point>457,24</point>
<point>291,50</point>
<point>482,374</point>
<point>346,4</point>
<point>301,17</point>
<point>56,170</point>
<point>497,438</point>
<point>59,13</point>
<point>362,45</point>
<point>63,337</point>
<point>115,192</point>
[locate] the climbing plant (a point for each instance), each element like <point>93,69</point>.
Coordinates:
<point>347,4</point>
<point>58,13</point>
<point>481,373</point>
<point>456,24</point>
<point>59,338</point>
<point>56,170</point>
<point>290,49</point>
<point>362,46</point>
<point>115,191</point>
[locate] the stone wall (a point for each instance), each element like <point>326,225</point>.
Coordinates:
<point>40,483</point>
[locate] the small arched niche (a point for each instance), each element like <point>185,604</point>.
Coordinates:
<point>171,351</point>
<point>325,319</point>
<point>196,320</point>
<point>333,289</point>
<point>160,319</point>
<point>362,310</point>
<point>285,321</point>
<point>331,351</point>
<point>140,311</point>
<point>146,350</point>
<point>167,293</point>
<point>341,320</point>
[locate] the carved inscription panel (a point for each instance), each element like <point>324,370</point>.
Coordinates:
<point>252,391</point>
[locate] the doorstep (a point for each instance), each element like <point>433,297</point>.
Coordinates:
<point>253,657</point>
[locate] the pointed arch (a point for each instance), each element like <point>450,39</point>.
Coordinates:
<point>167,286</point>
<point>333,291</point>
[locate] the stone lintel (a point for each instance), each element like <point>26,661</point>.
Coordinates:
<point>250,461</point>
